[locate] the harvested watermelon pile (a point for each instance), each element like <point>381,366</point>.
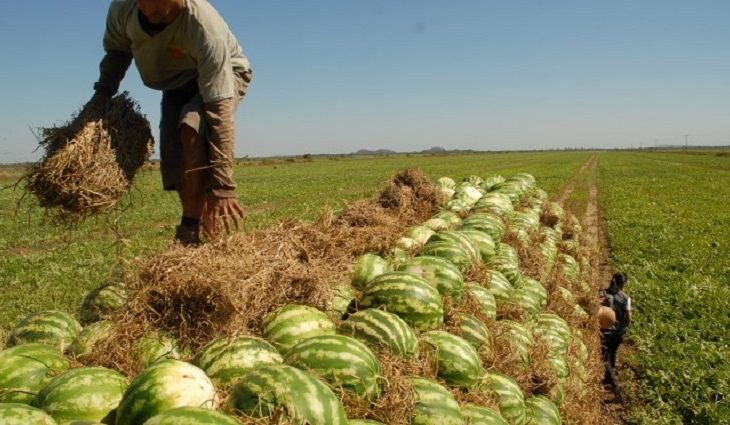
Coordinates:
<point>451,303</point>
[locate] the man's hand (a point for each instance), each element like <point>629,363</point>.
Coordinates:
<point>217,210</point>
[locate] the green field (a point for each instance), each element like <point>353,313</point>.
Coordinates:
<point>666,214</point>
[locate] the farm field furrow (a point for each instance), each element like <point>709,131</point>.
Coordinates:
<point>45,267</point>
<point>667,218</point>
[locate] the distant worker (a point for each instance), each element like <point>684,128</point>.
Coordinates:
<point>185,49</point>
<point>612,336</point>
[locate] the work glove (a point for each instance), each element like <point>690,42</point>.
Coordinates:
<point>98,105</point>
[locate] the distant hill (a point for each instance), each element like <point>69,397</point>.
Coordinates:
<point>375,152</point>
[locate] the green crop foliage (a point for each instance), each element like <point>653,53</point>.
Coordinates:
<point>45,267</point>
<point>668,221</point>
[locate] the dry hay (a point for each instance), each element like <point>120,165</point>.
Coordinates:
<point>228,286</point>
<point>90,161</point>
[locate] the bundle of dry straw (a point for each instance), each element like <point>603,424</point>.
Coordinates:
<point>90,161</point>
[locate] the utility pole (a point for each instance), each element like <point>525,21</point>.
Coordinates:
<point>686,137</point>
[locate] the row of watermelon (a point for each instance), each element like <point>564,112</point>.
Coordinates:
<point>372,325</point>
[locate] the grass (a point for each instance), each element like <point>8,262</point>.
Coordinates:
<point>668,221</point>
<point>45,267</point>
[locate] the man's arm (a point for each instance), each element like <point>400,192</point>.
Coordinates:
<point>118,56</point>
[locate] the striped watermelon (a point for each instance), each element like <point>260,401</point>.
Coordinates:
<point>22,414</point>
<point>458,362</point>
<point>435,405</point>
<point>342,296</point>
<point>460,240</point>
<point>542,411</point>
<point>440,273</point>
<point>483,242</point>
<point>102,301</point>
<point>368,267</point>
<point>484,299</point>
<point>88,393</point>
<point>499,286</point>
<point>490,224</point>
<point>507,262</point>
<point>571,269</point>
<point>449,251</point>
<point>54,328</point>
<point>84,343</point>
<point>511,400</point>
<point>477,415</point>
<point>559,365</point>
<point>445,182</point>
<point>154,347</point>
<point>163,386</point>
<point>518,337</point>
<point>192,416</point>
<point>27,368</point>
<point>406,243</point>
<point>419,234</point>
<point>380,328</point>
<point>495,203</point>
<point>289,391</point>
<point>292,323</point>
<point>492,180</point>
<point>408,296</point>
<point>436,224</point>
<point>467,193</point>
<point>475,332</point>
<point>452,220</point>
<point>530,294</point>
<point>340,360</point>
<point>225,360</point>
<point>555,323</point>
<point>458,204</point>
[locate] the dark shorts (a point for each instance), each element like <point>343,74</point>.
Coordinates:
<point>180,106</point>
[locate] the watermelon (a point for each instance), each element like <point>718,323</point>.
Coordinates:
<point>511,400</point>
<point>408,296</point>
<point>559,365</point>
<point>88,393</point>
<point>530,294</point>
<point>27,368</point>
<point>490,224</point>
<point>292,323</point>
<point>102,301</point>
<point>84,343</point>
<point>419,234</point>
<point>436,224</point>
<point>449,251</point>
<point>457,204</point>
<point>499,286</point>
<point>506,261</point>
<point>154,347</point>
<point>368,266</point>
<point>484,299</point>
<point>342,297</point>
<point>191,416</point>
<point>380,328</point>
<point>571,269</point>
<point>518,337</point>
<point>495,203</point>
<point>435,405</point>
<point>483,242</point>
<point>225,360</point>
<point>467,193</point>
<point>165,385</point>
<point>283,389</point>
<point>475,332</point>
<point>22,414</point>
<point>452,220</point>
<point>406,243</point>
<point>445,182</point>
<point>459,239</point>
<point>440,273</point>
<point>340,360</point>
<point>477,415</point>
<point>458,362</point>
<point>54,328</point>
<point>363,422</point>
<point>541,411</point>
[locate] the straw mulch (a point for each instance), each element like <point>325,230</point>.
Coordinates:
<point>227,287</point>
<point>90,161</point>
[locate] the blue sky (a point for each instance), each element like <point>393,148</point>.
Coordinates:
<point>334,76</point>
